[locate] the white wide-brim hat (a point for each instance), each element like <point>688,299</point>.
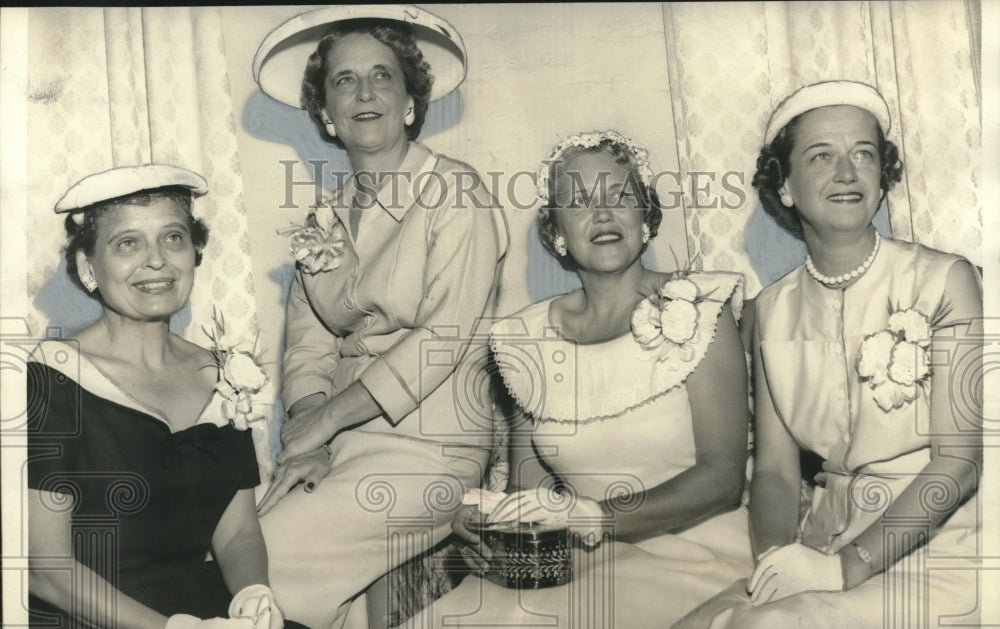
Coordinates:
<point>117,182</point>
<point>826,94</point>
<point>280,62</point>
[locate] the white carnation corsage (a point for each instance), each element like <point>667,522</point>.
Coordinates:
<point>895,360</point>
<point>668,321</point>
<point>319,244</point>
<point>243,383</point>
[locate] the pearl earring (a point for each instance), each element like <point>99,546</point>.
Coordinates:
<point>410,117</point>
<point>559,244</point>
<point>645,233</point>
<point>88,280</point>
<point>331,130</point>
<point>786,200</point>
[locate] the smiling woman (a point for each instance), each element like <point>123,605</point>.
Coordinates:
<point>372,411</point>
<point>130,423</point>
<point>367,102</point>
<point>141,251</point>
<point>843,347</point>
<point>635,442</point>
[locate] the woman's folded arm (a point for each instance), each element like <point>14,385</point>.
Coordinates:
<point>956,451</point>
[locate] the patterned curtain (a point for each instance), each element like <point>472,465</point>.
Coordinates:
<point>120,86</point>
<point>731,63</point>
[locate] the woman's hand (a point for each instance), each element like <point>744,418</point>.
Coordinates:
<point>309,468</point>
<point>532,505</point>
<point>580,514</point>
<point>309,428</point>
<point>475,553</point>
<point>791,569</point>
<point>257,603</point>
<point>311,425</point>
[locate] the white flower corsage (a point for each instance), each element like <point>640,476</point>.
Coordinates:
<point>243,383</point>
<point>319,244</point>
<point>895,360</point>
<point>668,320</point>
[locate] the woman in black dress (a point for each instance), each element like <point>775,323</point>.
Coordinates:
<point>137,469</point>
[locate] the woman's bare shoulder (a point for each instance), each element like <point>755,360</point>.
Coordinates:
<point>191,353</point>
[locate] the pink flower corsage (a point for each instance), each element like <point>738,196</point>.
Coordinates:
<point>895,360</point>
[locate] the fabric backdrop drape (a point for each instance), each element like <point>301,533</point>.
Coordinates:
<point>115,86</point>
<point>119,86</point>
<point>731,63</point>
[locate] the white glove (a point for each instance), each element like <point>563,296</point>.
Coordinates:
<point>791,569</point>
<point>580,514</point>
<point>484,499</point>
<point>257,603</point>
<point>186,621</point>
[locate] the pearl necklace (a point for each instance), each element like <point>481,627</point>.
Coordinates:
<point>840,279</point>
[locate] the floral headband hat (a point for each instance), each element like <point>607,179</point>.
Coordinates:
<point>591,140</point>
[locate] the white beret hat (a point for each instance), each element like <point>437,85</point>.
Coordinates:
<point>117,182</point>
<point>280,62</point>
<point>825,94</point>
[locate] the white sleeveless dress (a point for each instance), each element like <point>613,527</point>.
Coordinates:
<point>610,419</point>
<point>810,340</point>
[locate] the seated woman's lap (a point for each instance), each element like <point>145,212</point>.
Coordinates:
<point>650,584</point>
<point>925,589</point>
<point>871,605</point>
<point>386,499</point>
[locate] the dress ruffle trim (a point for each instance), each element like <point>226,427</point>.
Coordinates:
<point>553,379</point>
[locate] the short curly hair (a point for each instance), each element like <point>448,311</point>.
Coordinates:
<point>83,236</point>
<point>774,165</point>
<point>398,36</point>
<point>652,211</point>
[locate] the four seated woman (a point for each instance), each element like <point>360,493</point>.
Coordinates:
<point>631,431</point>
